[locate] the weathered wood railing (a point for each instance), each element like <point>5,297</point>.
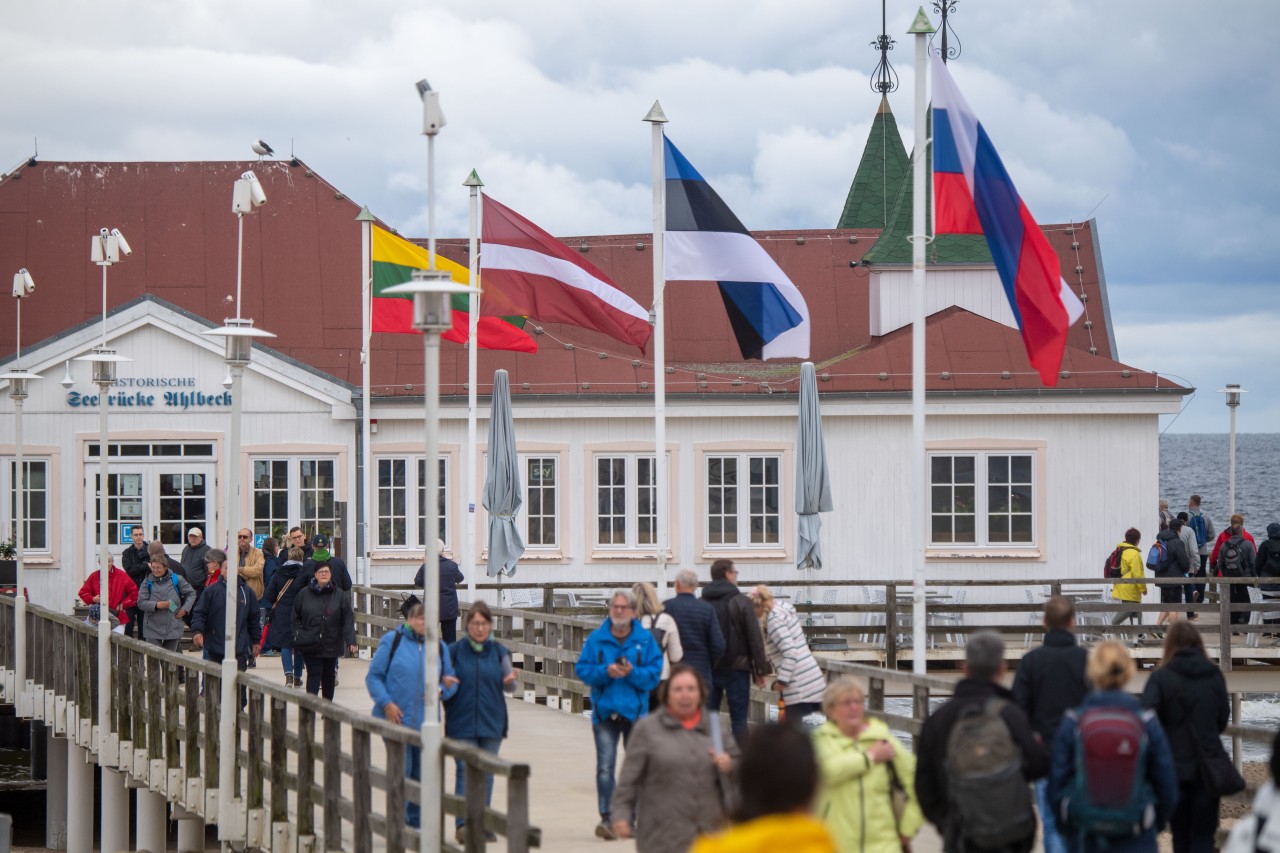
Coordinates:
<point>168,733</point>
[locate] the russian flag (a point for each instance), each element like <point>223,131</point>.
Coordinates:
<point>706,242</point>
<point>973,194</point>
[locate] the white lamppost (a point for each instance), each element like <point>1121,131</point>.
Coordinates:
<point>238,334</point>
<point>1233,392</point>
<point>432,292</point>
<point>104,250</point>
<point>18,378</point>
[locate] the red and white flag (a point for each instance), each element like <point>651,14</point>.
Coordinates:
<point>527,272</point>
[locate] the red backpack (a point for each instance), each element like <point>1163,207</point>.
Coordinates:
<point>1111,568</point>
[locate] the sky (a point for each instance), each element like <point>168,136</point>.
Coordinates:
<point>1153,116</point>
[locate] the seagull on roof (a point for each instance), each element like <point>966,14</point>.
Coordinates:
<point>261,148</point>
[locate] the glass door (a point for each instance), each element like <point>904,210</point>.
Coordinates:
<point>166,499</point>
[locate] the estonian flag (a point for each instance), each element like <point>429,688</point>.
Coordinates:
<point>706,242</point>
<point>973,194</point>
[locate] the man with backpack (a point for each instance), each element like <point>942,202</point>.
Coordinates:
<point>1168,559</point>
<point>1234,556</point>
<point>1268,566</point>
<point>1049,682</point>
<point>976,758</point>
<point>166,599</point>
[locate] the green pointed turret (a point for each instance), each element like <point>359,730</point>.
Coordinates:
<point>880,173</point>
<point>893,247</point>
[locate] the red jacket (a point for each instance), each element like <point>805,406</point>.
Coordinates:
<point>1222,540</point>
<point>124,592</point>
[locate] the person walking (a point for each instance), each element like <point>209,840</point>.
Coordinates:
<point>862,766</point>
<point>979,805</point>
<point>1051,680</point>
<point>1176,564</point>
<point>136,563</point>
<point>1247,836</point>
<point>320,555</point>
<point>621,662</point>
<point>796,676</point>
<point>665,633</point>
<point>674,771</point>
<point>277,602</point>
<point>395,683</point>
<point>270,560</point>
<point>744,658</point>
<point>193,560</point>
<point>1202,526</point>
<point>1192,547</point>
<point>1234,556</point>
<point>477,712</point>
<point>450,577</point>
<point>1189,695</point>
<point>1092,810</point>
<point>1267,567</point>
<point>701,640</point>
<point>777,783</point>
<point>251,561</point>
<point>323,628</point>
<point>122,595</point>
<point>209,618</point>
<point>1130,568</point>
<point>165,599</point>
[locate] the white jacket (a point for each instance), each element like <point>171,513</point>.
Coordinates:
<point>788,651</point>
<point>1245,837</point>
<point>672,651</point>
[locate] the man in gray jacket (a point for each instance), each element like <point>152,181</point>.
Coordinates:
<point>165,598</point>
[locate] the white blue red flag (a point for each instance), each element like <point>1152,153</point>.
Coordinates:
<point>973,194</point>
<point>706,242</point>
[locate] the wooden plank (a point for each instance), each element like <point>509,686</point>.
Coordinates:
<point>279,761</point>
<point>306,771</point>
<point>192,726</point>
<point>360,792</point>
<point>332,765</point>
<point>395,834</point>
<point>209,723</point>
<point>256,741</point>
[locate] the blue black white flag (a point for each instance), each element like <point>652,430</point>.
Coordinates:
<point>705,241</point>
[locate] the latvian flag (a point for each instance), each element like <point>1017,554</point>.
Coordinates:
<point>706,242</point>
<point>395,259</point>
<point>973,194</point>
<point>529,272</point>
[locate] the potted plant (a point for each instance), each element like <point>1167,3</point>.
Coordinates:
<point>8,563</point>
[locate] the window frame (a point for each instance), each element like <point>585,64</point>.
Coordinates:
<point>567,475</point>
<point>744,451</point>
<point>413,515</point>
<point>311,523</point>
<point>983,548</point>
<point>8,494</point>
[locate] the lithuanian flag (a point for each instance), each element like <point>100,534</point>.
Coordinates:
<point>395,259</point>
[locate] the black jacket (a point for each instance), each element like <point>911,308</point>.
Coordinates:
<point>1267,564</point>
<point>323,623</point>
<point>1050,681</point>
<point>1189,695</point>
<point>136,563</point>
<point>450,577</point>
<point>931,753</point>
<point>280,630</point>
<point>194,566</point>
<point>699,629</point>
<point>210,619</point>
<point>1179,561</point>
<point>743,642</point>
<point>338,566</point>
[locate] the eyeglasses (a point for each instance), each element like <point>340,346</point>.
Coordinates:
<point>242,537</point>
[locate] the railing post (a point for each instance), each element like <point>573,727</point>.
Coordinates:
<point>279,764</point>
<point>361,793</point>
<point>332,769</point>
<point>474,806</point>
<point>919,708</point>
<point>395,752</point>
<point>890,626</point>
<point>875,694</point>
<point>518,809</point>
<point>1224,626</point>
<point>306,772</point>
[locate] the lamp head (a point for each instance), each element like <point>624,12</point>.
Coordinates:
<point>106,248</point>
<point>23,283</point>
<point>1233,392</point>
<point>432,292</point>
<point>247,194</point>
<point>432,115</point>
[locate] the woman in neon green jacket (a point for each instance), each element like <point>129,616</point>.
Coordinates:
<point>861,764</point>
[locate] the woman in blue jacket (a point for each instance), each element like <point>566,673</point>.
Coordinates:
<point>1109,669</point>
<point>395,683</point>
<point>477,713</point>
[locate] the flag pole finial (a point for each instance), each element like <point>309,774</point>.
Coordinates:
<point>921,24</point>
<point>950,43</point>
<point>885,79</point>
<point>655,114</point>
<point>365,215</point>
<point>473,180</point>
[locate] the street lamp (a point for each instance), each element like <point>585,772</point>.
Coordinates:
<point>432,292</point>
<point>107,248</point>
<point>238,335</point>
<point>18,378</point>
<point>1233,392</point>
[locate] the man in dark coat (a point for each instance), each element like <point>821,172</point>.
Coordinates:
<point>193,559</point>
<point>984,664</point>
<point>137,565</point>
<point>450,577</point>
<point>696,622</point>
<point>744,656</point>
<point>1049,682</point>
<point>209,619</point>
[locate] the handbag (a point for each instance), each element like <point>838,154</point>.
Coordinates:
<point>1217,771</point>
<point>897,796</point>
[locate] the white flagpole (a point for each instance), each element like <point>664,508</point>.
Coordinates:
<point>656,120</point>
<point>920,28</point>
<point>365,218</point>
<point>473,345</point>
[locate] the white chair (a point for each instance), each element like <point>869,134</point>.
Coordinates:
<point>1255,618</point>
<point>957,619</point>
<point>875,597</point>
<point>1033,618</point>
<point>829,597</point>
<point>519,598</point>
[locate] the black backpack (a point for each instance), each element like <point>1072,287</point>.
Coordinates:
<point>990,798</point>
<point>1231,559</point>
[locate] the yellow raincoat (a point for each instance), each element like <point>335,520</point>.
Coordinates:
<point>1131,566</point>
<point>794,833</point>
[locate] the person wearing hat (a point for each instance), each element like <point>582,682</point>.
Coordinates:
<point>321,555</point>
<point>193,561</point>
<point>450,577</point>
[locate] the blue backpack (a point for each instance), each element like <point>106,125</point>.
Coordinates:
<point>173,578</point>
<point>1109,796</point>
<point>1198,525</point>
<point>1158,558</point>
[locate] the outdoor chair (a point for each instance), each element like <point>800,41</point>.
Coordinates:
<point>957,619</point>
<point>875,597</point>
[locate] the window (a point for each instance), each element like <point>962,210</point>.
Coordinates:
<point>982,499</point>
<point>744,513</point>
<point>35,508</point>
<point>402,497</point>
<point>304,489</point>
<point>541,501</point>
<point>626,493</point>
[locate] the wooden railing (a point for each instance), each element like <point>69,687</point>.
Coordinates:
<point>168,732</point>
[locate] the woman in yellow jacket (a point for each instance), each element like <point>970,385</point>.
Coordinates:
<point>1130,567</point>
<point>861,764</point>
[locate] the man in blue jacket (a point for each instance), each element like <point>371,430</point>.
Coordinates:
<point>209,619</point>
<point>621,663</point>
<point>700,634</point>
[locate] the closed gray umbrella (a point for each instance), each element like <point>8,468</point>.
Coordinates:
<point>813,489</point>
<point>501,496</point>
